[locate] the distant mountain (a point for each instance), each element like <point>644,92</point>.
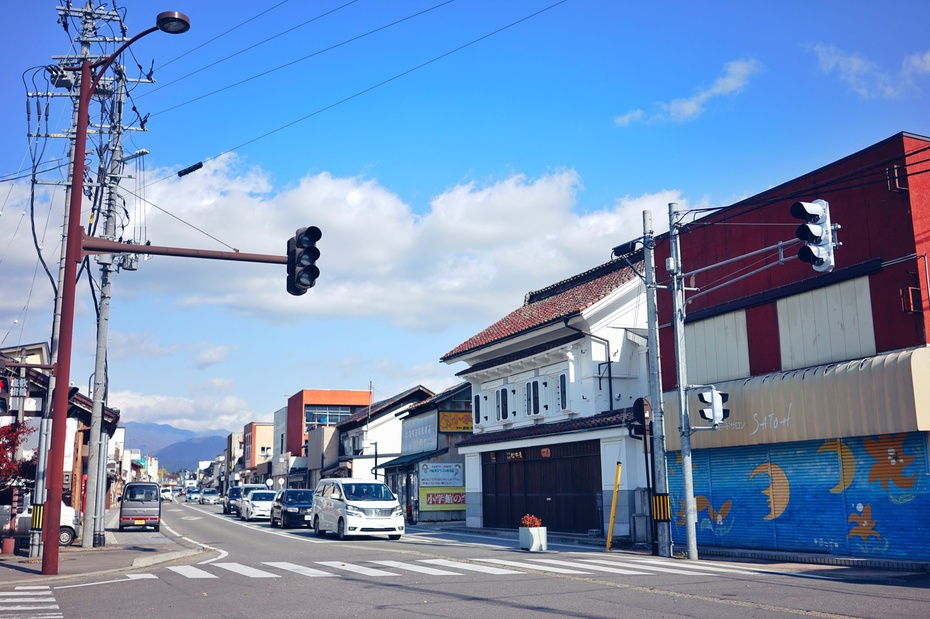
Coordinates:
<point>175,448</point>
<point>150,437</point>
<point>187,454</point>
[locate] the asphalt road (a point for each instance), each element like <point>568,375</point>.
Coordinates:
<point>256,571</point>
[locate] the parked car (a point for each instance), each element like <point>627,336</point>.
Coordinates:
<point>193,495</point>
<point>256,504</point>
<point>292,507</point>
<point>69,525</point>
<point>209,496</point>
<point>244,489</point>
<point>356,507</point>
<point>140,505</point>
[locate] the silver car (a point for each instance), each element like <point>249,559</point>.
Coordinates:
<point>209,496</point>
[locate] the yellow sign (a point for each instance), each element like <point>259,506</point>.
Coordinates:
<point>442,498</point>
<point>455,421</point>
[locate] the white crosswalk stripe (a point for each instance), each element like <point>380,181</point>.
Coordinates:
<point>647,563</point>
<point>356,569</point>
<point>592,567</point>
<point>189,571</point>
<point>29,602</point>
<point>422,569</point>
<point>531,566</point>
<point>245,570</point>
<point>654,568</point>
<point>468,566</point>
<point>298,569</point>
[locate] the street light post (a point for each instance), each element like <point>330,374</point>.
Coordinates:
<point>171,22</point>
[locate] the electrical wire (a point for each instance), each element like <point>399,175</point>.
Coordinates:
<point>307,57</point>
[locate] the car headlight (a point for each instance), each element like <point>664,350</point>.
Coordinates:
<point>354,511</point>
<point>292,510</point>
<point>398,511</point>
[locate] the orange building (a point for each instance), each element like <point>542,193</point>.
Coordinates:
<point>312,408</point>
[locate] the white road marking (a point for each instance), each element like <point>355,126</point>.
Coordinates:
<point>245,570</point>
<point>467,566</point>
<point>417,568</point>
<point>298,569</point>
<point>596,568</point>
<point>189,571</point>
<point>541,568</point>
<point>358,569</point>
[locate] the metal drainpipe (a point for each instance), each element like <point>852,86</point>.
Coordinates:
<point>610,379</point>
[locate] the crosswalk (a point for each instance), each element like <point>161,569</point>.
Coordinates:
<point>588,566</point>
<point>29,602</point>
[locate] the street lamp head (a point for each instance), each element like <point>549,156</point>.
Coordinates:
<point>173,22</point>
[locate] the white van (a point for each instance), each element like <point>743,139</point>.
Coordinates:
<point>356,507</point>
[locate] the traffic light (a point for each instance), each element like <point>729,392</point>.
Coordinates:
<point>4,395</point>
<point>642,415</point>
<point>715,412</point>
<point>817,234</point>
<point>302,254</point>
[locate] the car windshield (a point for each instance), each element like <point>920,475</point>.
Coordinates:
<point>141,493</point>
<point>261,496</point>
<point>368,492</point>
<point>298,496</point>
<point>210,491</point>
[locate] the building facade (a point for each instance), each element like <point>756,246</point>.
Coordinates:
<point>553,384</point>
<point>825,448</point>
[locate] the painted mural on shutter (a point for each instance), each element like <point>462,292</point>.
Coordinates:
<point>864,496</point>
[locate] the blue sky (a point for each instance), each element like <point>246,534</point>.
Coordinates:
<point>456,155</point>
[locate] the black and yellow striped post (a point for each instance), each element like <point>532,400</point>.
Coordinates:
<point>661,510</point>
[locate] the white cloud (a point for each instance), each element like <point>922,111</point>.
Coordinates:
<point>625,120</point>
<point>212,355</point>
<point>866,78</point>
<point>736,76</point>
<point>199,414</point>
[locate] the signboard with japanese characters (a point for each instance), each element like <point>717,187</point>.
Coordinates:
<point>442,486</point>
<point>418,434</point>
<point>455,421</point>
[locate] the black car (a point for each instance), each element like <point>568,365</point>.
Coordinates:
<point>292,507</point>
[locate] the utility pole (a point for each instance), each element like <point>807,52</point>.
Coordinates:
<point>660,501</point>
<point>678,325</point>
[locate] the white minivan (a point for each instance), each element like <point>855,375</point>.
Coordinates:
<point>356,507</point>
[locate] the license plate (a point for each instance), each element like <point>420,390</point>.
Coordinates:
<point>142,522</point>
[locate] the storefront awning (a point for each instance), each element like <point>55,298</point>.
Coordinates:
<point>402,461</point>
<point>884,394</point>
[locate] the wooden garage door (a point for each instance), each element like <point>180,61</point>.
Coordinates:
<point>559,483</point>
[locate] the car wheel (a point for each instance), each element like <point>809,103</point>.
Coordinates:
<point>284,524</point>
<point>65,536</point>
<point>316,527</point>
<point>394,537</point>
<point>272,521</point>
<point>341,529</point>
<point>157,528</point>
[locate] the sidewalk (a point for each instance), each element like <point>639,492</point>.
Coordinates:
<point>123,551</point>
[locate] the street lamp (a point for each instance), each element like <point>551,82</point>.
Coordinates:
<point>171,22</point>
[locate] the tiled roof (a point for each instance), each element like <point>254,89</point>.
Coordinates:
<point>417,393</point>
<point>440,397</point>
<point>551,304</point>
<point>608,419</point>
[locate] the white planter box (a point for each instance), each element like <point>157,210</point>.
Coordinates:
<point>533,539</point>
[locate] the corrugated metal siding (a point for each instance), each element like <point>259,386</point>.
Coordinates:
<point>865,497</point>
<point>879,395</point>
